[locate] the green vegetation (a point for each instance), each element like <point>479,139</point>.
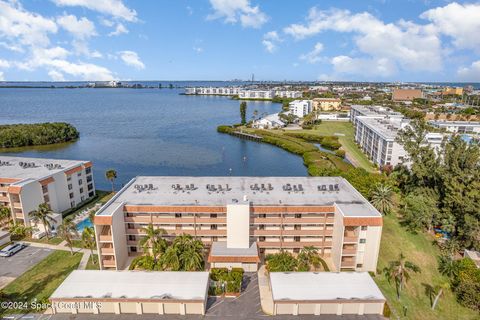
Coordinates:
<point>419,249</point>
<point>44,215</point>
<point>308,259</point>
<point>442,188</point>
<point>38,283</point>
<point>67,230</point>
<point>225,129</point>
<point>88,241</point>
<point>184,253</point>
<point>243,112</point>
<point>54,240</point>
<point>111,175</point>
<point>92,264</point>
<point>225,281</point>
<point>398,271</point>
<point>346,138</point>
<point>20,135</point>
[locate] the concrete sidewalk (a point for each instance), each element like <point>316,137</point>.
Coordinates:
<point>266,298</point>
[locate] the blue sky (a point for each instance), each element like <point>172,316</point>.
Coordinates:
<point>375,40</point>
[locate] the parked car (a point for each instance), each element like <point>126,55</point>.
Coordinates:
<point>11,249</point>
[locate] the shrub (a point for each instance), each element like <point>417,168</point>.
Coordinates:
<point>340,153</point>
<point>218,274</point>
<point>225,129</point>
<point>20,135</point>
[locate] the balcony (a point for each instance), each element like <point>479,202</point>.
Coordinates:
<point>105,238</point>
<point>4,199</point>
<point>350,239</point>
<point>200,232</point>
<point>17,205</point>
<point>349,252</point>
<point>106,251</point>
<point>288,220</point>
<point>277,232</point>
<point>292,244</point>
<point>110,263</point>
<point>348,264</point>
<point>3,189</point>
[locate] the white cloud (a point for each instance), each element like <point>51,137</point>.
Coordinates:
<point>270,41</point>
<point>80,28</point>
<point>233,11</point>
<point>81,48</point>
<point>119,29</point>
<point>115,8</point>
<point>198,49</point>
<point>460,22</point>
<point>11,47</point>
<point>21,27</point>
<point>132,59</point>
<point>4,63</point>
<point>56,76</point>
<point>471,73</point>
<point>314,55</point>
<point>369,68</point>
<point>2,78</point>
<point>189,10</point>
<point>403,44</point>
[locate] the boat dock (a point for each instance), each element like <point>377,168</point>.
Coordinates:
<point>247,136</point>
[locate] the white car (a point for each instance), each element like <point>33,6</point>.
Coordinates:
<point>11,249</point>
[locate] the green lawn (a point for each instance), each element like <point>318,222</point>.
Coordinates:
<point>418,248</point>
<point>329,128</point>
<point>41,280</point>
<point>54,240</point>
<point>91,265</point>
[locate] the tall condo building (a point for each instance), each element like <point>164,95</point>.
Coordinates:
<point>240,219</point>
<point>25,183</point>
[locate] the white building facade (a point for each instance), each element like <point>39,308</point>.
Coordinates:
<point>300,108</point>
<point>462,127</point>
<point>25,183</point>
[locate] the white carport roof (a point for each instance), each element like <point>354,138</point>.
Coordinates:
<point>134,285</point>
<point>323,286</point>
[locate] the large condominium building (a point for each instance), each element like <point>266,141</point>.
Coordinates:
<point>288,94</point>
<point>327,104</point>
<point>300,108</point>
<point>377,139</point>
<point>372,111</point>
<point>256,94</point>
<point>25,183</point>
<point>242,218</point>
<point>222,91</point>
<point>468,127</point>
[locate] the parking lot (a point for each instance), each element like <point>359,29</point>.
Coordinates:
<point>16,265</point>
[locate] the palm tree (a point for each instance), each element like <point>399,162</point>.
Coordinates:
<point>398,271</point>
<point>43,215</point>
<point>153,242</point>
<point>283,261</point>
<point>190,252</point>
<point>307,257</point>
<point>88,239</point>
<point>448,266</point>
<point>382,198</point>
<point>67,230</point>
<point>111,175</point>
<point>434,293</point>
<point>170,260</point>
<point>5,215</point>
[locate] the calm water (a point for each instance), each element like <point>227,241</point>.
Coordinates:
<point>148,132</point>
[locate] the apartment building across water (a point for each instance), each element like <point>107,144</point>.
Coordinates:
<point>240,219</point>
<point>25,183</point>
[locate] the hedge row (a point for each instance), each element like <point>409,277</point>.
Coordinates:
<point>328,142</point>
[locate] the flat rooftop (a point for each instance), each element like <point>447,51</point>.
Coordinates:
<point>104,284</point>
<point>455,123</point>
<point>10,167</point>
<point>219,249</point>
<point>315,286</point>
<point>376,111</point>
<point>383,127</point>
<point>173,191</point>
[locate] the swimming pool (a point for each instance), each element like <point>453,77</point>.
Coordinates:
<point>84,224</point>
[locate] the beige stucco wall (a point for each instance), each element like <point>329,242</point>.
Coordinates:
<point>238,225</point>
<point>119,238</point>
